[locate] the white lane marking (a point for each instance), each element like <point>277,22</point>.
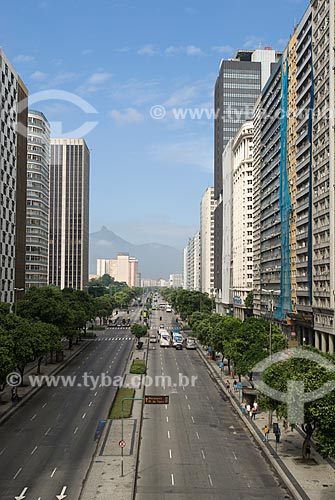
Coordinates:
<point>1,452</point>
<point>167,419</point>
<point>166,407</point>
<point>207,398</point>
<point>168,434</point>
<point>197,435</point>
<point>212,408</point>
<point>33,450</point>
<point>47,432</point>
<point>192,419</point>
<point>172,479</point>
<point>170,453</point>
<point>18,472</point>
<point>210,479</point>
<point>44,405</point>
<point>84,415</point>
<point>183,388</point>
<point>34,416</point>
<point>189,407</point>
<point>203,454</point>
<point>185,396</point>
<point>75,431</point>
<point>95,393</point>
<point>53,472</point>
<point>234,455</point>
<point>90,403</point>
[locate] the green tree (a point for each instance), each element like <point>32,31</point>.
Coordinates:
<point>318,414</point>
<point>138,330</point>
<point>7,359</point>
<point>249,300</point>
<point>104,307</point>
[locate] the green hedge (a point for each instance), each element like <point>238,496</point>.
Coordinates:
<point>115,411</point>
<point>138,367</point>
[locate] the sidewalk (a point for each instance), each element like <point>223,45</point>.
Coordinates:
<point>313,479</point>
<point>103,480</point>
<point>7,408</point>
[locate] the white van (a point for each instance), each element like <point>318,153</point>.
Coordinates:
<point>153,338</point>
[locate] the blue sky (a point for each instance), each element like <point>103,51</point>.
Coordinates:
<point>123,57</point>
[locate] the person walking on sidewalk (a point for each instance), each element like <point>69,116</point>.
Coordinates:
<point>235,385</point>
<point>266,433</point>
<point>255,405</point>
<point>253,413</point>
<point>228,385</point>
<point>249,409</point>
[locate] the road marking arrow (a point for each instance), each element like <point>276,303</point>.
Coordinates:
<point>22,495</point>
<point>62,495</point>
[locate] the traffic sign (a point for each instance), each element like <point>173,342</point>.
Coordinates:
<point>156,400</point>
<point>122,443</point>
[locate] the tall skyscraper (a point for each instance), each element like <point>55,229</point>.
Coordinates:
<point>237,88</point>
<point>13,181</point>
<point>207,207</point>
<point>37,240</point>
<point>69,213</point>
<point>191,266</point>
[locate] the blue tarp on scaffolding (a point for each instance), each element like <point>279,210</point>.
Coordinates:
<point>285,299</point>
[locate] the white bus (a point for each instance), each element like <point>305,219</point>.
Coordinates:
<point>177,338</point>
<point>165,339</point>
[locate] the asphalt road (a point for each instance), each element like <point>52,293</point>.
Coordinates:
<point>196,447</point>
<point>48,443</point>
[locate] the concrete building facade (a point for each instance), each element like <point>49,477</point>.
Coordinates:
<point>13,181</point>
<point>122,269</point>
<point>207,208</point>
<point>192,260</point>
<point>69,213</point>
<point>37,239</point>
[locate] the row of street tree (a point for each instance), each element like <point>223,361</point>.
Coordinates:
<point>48,316</point>
<point>244,344</point>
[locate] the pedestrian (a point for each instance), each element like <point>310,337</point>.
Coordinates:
<point>308,451</point>
<point>248,408</point>
<point>243,408</point>
<point>285,424</point>
<point>235,385</point>
<point>266,433</point>
<point>255,405</point>
<point>228,385</point>
<point>253,413</point>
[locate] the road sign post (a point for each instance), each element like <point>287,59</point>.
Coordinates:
<point>122,440</point>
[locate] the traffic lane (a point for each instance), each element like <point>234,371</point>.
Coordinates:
<point>52,432</point>
<point>237,464</point>
<point>73,461</point>
<point>203,467</point>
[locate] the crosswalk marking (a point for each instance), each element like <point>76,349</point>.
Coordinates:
<point>108,339</point>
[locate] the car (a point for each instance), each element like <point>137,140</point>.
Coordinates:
<point>119,324</point>
<point>153,338</point>
<point>179,346</point>
<point>161,327</point>
<point>190,343</point>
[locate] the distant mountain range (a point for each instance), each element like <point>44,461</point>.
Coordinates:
<point>155,260</point>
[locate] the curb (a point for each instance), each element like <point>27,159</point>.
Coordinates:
<point>138,448</point>
<point>275,461</point>
<point>9,413</point>
<point>88,472</point>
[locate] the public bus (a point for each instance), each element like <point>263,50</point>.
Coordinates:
<point>165,339</point>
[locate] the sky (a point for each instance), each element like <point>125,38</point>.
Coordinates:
<point>118,72</point>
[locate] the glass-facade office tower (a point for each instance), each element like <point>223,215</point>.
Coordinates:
<point>69,213</point>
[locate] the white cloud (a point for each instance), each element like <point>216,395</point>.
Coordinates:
<point>137,92</point>
<point>97,78</point>
<point>253,42</point>
<point>197,154</point>
<point>122,50</point>
<point>22,58</point>
<point>191,50</point>
<point>38,76</point>
<point>129,115</point>
<point>86,52</point>
<point>148,50</point>
<point>223,49</point>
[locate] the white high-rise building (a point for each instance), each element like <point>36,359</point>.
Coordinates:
<point>37,237</point>
<point>176,281</point>
<point>242,217</point>
<point>191,268</point>
<point>122,269</point>
<point>207,208</point>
